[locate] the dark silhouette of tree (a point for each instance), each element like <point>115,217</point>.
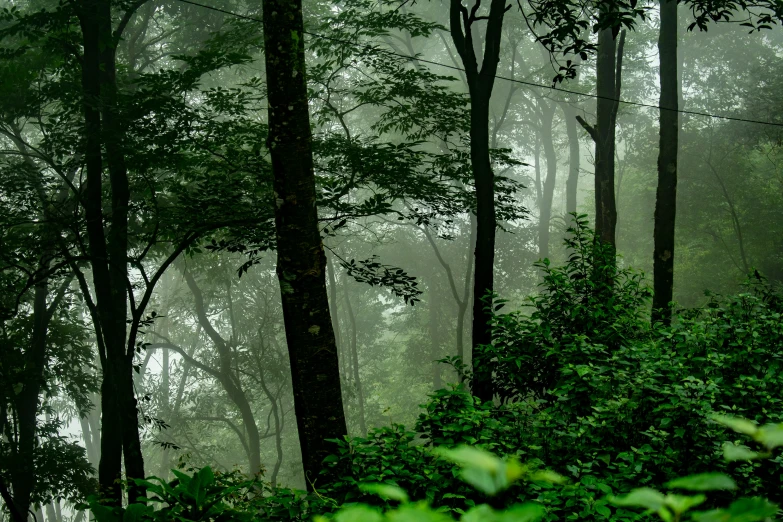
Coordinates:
<point>301,262</point>
<point>666,194</point>
<point>481,79</point>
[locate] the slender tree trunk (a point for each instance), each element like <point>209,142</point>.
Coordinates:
<point>608,87</point>
<point>227,377</point>
<point>666,194</point>
<point>333,303</point>
<point>24,473</point>
<point>435,336</point>
<point>574,158</point>
<point>480,72</point>
<point>574,154</point>
<point>301,263</point>
<point>354,354</point>
<point>605,206</point>
<point>548,193</point>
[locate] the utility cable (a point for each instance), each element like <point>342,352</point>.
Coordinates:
<point>499,77</point>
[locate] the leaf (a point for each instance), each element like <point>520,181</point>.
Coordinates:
<point>738,424</point>
<point>682,503</point>
<point>385,491</point>
<point>418,512</point>
<point>527,512</point>
<point>642,497</point>
<point>771,435</point>
<point>732,452</point>
<point>703,482</point>
<point>359,513</point>
<point>134,513</point>
<point>742,510</point>
<point>548,476</point>
<point>467,456</point>
<point>103,513</point>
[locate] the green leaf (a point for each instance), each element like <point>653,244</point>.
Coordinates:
<point>703,482</point>
<point>467,456</point>
<point>682,503</point>
<point>742,510</point>
<point>418,512</point>
<point>527,512</point>
<point>103,513</point>
<point>603,510</point>
<point>770,435</point>
<point>134,513</point>
<point>359,513</point>
<point>385,491</point>
<point>738,424</point>
<point>732,452</point>
<point>642,497</point>
<point>546,475</point>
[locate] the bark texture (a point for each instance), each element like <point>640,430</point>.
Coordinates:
<point>301,263</point>
<point>666,193</point>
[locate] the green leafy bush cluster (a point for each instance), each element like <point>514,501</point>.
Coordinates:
<point>589,388</point>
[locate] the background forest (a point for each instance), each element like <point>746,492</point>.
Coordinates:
<point>306,242</point>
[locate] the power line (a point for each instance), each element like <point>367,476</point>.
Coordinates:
<point>512,80</point>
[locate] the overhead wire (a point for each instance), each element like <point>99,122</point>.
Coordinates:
<point>499,77</point>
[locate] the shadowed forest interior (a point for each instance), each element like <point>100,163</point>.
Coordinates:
<point>405,260</point>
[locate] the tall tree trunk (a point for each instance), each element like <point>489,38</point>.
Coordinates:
<point>574,158</point>
<point>605,207</point>
<point>481,79</point>
<point>301,263</point>
<point>108,252</point>
<point>548,192</point>
<point>23,474</point>
<point>666,194</point>
<point>574,154</point>
<point>608,88</point>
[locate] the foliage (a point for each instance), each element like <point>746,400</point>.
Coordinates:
<point>586,307</point>
<point>621,403</point>
<point>60,462</point>
<point>204,495</point>
<point>672,506</point>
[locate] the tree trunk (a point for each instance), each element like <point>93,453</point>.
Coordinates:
<point>605,206</point>
<point>108,251</point>
<point>574,158</point>
<point>354,354</point>
<point>548,192</point>
<point>481,80</point>
<point>666,194</point>
<point>574,154</point>
<point>23,474</point>
<point>225,374</point>
<point>435,336</point>
<point>301,263</point>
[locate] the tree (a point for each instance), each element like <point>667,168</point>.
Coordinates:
<point>301,262</point>
<point>108,249</point>
<point>609,63</point>
<point>666,193</point>
<point>481,78</point>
